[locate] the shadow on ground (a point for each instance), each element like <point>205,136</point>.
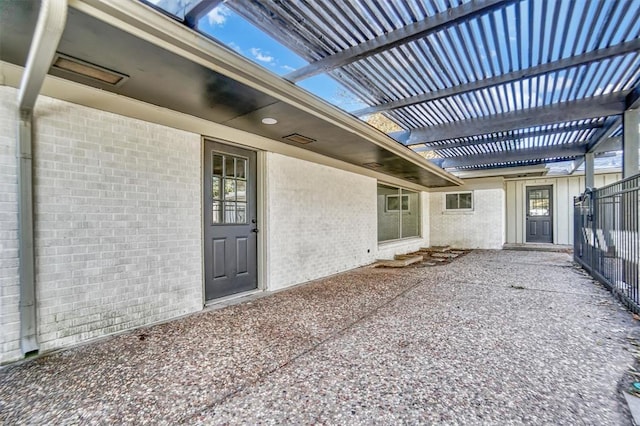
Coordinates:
<point>493,337</point>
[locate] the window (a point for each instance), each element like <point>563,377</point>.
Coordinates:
<point>460,201</point>
<point>398,213</point>
<point>393,203</point>
<point>229,186</point>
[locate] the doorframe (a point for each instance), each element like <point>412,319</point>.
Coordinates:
<point>261,204</point>
<point>525,207</point>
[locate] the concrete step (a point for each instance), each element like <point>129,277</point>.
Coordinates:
<point>400,261</point>
<point>436,249</point>
<point>444,255</point>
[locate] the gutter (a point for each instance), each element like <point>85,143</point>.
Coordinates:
<point>49,28</point>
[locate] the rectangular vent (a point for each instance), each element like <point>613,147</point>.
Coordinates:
<point>299,139</point>
<point>86,69</point>
<point>373,165</point>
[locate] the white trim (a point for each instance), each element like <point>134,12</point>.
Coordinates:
<point>263,226</point>
<point>399,242</point>
<point>203,275</point>
<point>261,237</point>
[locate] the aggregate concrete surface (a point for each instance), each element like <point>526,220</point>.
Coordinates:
<point>495,337</point>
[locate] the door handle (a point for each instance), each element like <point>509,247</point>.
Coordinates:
<point>255,230</point>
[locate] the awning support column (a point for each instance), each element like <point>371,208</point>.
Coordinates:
<point>630,143</point>
<point>589,181</point>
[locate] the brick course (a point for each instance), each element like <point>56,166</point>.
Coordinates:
<point>321,220</point>
<point>9,279</point>
<point>117,223</point>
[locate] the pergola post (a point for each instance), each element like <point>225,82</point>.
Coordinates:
<point>588,170</point>
<point>629,199</point>
<point>630,143</point>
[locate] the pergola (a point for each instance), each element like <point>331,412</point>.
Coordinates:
<point>482,84</point>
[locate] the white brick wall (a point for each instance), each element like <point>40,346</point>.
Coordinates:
<point>9,288</point>
<point>320,220</point>
<point>118,224</point>
<point>484,227</point>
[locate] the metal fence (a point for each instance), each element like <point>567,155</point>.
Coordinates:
<point>606,238</point>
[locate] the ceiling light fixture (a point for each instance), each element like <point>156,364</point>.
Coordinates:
<point>95,72</point>
<point>269,120</point>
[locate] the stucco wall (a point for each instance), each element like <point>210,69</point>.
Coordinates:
<point>481,228</point>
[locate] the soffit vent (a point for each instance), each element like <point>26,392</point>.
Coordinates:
<point>94,72</point>
<point>299,139</point>
<point>373,165</point>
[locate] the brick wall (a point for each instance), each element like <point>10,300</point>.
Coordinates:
<point>9,286</point>
<point>320,220</point>
<point>484,227</point>
<point>117,224</point>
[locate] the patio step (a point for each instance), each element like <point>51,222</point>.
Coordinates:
<point>436,249</point>
<point>400,261</point>
<point>444,255</point>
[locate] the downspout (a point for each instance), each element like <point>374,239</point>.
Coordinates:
<point>51,22</point>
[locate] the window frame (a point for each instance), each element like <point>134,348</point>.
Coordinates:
<point>459,209</point>
<point>401,212</point>
<point>401,205</point>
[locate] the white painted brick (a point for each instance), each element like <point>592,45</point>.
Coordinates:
<point>320,220</point>
<point>117,211</point>
<point>9,280</point>
<point>482,228</point>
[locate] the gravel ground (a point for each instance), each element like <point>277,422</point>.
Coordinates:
<point>495,337</point>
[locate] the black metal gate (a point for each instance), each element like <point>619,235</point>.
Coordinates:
<point>606,238</point>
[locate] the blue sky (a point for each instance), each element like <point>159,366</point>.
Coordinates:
<point>244,38</point>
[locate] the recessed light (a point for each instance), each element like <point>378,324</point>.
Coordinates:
<point>269,120</point>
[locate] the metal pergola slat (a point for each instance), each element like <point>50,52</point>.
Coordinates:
<point>435,66</point>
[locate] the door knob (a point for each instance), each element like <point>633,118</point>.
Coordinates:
<point>256,230</point>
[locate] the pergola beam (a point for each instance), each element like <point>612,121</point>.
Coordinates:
<point>633,98</point>
<point>542,153</point>
<point>606,145</point>
<point>199,10</point>
<point>503,138</point>
<point>596,55</point>
<point>599,138</point>
<point>611,124</point>
<point>399,37</point>
<point>594,107</point>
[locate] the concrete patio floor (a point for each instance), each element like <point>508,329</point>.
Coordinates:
<point>495,337</point>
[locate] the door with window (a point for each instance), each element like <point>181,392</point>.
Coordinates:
<point>539,220</point>
<point>230,225</point>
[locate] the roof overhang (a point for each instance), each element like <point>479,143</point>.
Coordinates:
<point>171,66</point>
